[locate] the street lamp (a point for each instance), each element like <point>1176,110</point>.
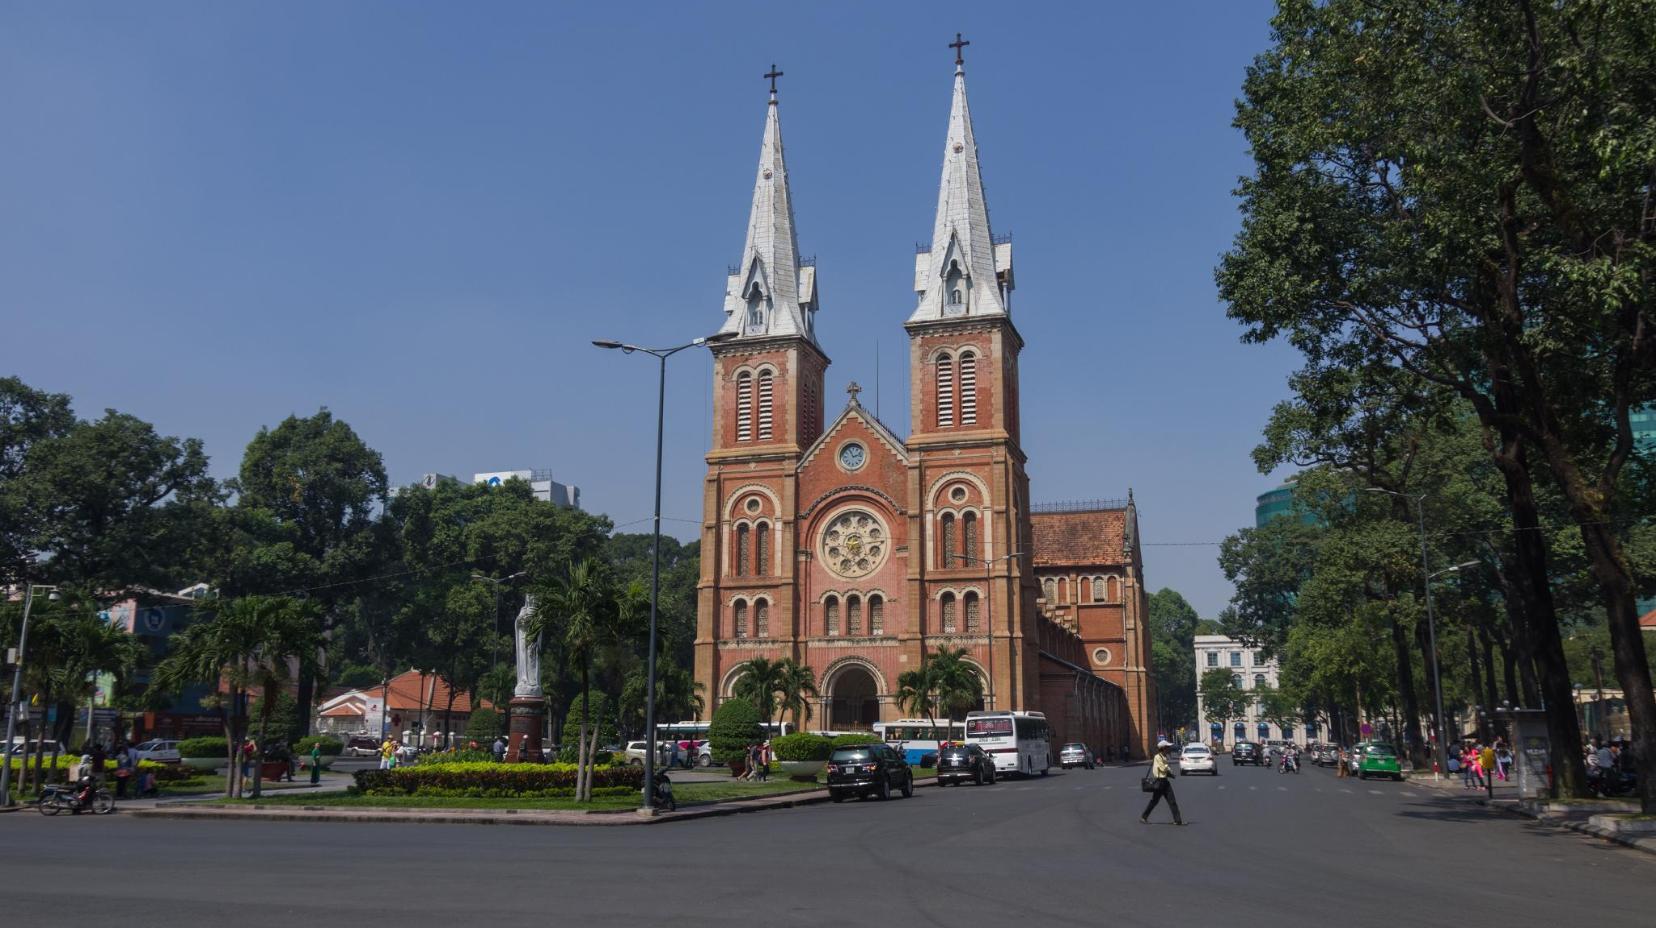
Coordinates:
<point>989,613</point>
<point>479,578</point>
<point>17,703</point>
<point>1431,621</point>
<point>661,355</point>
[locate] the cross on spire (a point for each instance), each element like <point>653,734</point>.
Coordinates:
<point>959,46</point>
<point>772,76</point>
<point>852,389</point>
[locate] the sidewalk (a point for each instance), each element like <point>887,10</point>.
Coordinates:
<point>181,809</point>
<point>1608,819</point>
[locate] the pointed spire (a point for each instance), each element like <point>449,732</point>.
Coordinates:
<point>965,273</point>
<point>769,293</point>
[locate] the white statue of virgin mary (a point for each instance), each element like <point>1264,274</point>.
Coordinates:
<point>528,652</point>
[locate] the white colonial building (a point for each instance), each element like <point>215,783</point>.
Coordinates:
<point>1252,671</point>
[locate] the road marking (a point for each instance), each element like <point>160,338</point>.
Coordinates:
<point>1412,795</point>
<point>1253,787</point>
<point>1375,792</point>
<point>1283,788</point>
<point>1319,789</point>
<point>1109,787</point>
<point>1345,791</point>
<point>1221,787</point>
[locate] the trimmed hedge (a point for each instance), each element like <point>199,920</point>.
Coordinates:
<point>214,747</point>
<point>849,741</point>
<point>330,745</point>
<point>802,747</point>
<point>492,781</point>
<point>735,726</point>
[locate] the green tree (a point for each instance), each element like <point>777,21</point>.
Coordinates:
<point>796,689</point>
<point>1463,191</point>
<point>1222,699</point>
<point>759,683</point>
<point>1173,657</point>
<point>580,610</point>
<point>1278,707</point>
<point>27,418</point>
<point>735,725</point>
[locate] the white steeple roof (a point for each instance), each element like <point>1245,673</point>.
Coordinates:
<point>769,294</point>
<point>964,260</point>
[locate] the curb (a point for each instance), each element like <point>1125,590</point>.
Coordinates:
<point>574,817</point>
<point>1645,843</point>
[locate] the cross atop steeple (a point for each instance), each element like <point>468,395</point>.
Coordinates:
<point>852,389</point>
<point>772,76</point>
<point>959,46</point>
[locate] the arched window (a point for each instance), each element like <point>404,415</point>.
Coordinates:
<point>853,615</point>
<point>974,622</point>
<point>756,310</point>
<point>744,406</point>
<point>1063,589</point>
<point>740,610</point>
<point>968,388</point>
<point>1237,679</point>
<point>761,549</point>
<point>954,279</point>
<point>954,296</point>
<point>946,605</point>
<point>742,541</point>
<point>765,380</point>
<point>830,615</point>
<point>1049,588</point>
<point>946,537</point>
<point>1259,681</point>
<point>945,391</point>
<point>761,619</point>
<point>876,614</point>
<point>1114,590</point>
<point>969,539</point>
<point>1098,589</point>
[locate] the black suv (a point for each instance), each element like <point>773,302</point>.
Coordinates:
<point>959,763</point>
<point>1246,752</point>
<point>868,770</point>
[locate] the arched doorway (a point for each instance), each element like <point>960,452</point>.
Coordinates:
<point>854,699</point>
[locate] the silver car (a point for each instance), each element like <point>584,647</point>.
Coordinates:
<point>1075,754</point>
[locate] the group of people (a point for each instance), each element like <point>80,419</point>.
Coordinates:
<point>757,766</point>
<point>1607,757</point>
<point>1481,763</point>
<point>130,778</point>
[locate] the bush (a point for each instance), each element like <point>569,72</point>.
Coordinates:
<point>802,746</point>
<point>484,725</point>
<point>214,747</point>
<point>848,741</point>
<point>735,726</point>
<point>459,757</point>
<point>567,755</point>
<point>603,716</point>
<point>331,746</point>
<point>491,780</point>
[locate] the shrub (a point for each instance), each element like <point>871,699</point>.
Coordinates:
<point>603,716</point>
<point>484,725</point>
<point>802,746</point>
<point>735,726</point>
<point>847,741</point>
<point>491,780</point>
<point>566,755</point>
<point>330,745</point>
<point>459,757</point>
<point>204,747</point>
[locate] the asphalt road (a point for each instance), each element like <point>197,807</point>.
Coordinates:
<point>1261,849</point>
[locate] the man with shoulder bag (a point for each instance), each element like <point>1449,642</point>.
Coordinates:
<point>1159,784</point>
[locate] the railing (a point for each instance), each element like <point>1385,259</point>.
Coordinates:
<point>1080,505</point>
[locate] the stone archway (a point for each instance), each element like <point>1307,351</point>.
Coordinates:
<point>853,699</point>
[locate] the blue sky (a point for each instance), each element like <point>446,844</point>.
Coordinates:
<point>419,214</point>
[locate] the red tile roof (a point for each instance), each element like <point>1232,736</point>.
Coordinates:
<point>1079,539</point>
<point>409,692</point>
<point>1648,621</point>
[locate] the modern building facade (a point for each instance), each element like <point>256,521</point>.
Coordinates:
<point>1253,671</point>
<point>859,552</point>
<point>540,483</point>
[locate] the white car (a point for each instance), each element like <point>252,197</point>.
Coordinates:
<point>1196,758</point>
<point>159,750</point>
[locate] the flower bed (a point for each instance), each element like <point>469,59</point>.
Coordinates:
<point>491,780</point>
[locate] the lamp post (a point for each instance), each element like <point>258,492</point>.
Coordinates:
<point>1596,655</point>
<point>496,583</point>
<point>989,611</point>
<point>17,704</point>
<point>661,355</point>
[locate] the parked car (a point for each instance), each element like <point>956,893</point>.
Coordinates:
<point>959,763</point>
<point>1379,760</point>
<point>1196,758</point>
<point>362,746</point>
<point>1075,754</point>
<point>47,748</point>
<point>635,753</point>
<point>868,770</point>
<point>1246,752</point>
<point>158,750</point>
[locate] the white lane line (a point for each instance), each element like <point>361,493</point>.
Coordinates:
<point>1283,788</point>
<point>1221,787</point>
<point>1375,792</point>
<point>1253,787</point>
<point>1319,789</point>
<point>1347,791</point>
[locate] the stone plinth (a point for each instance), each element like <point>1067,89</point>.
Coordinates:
<point>526,719</point>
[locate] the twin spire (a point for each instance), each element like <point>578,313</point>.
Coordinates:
<point>965,273</point>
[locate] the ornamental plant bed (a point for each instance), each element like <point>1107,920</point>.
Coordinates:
<point>493,781</point>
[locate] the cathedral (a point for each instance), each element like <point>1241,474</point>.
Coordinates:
<point>857,551</point>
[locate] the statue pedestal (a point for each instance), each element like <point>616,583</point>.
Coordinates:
<point>526,719</point>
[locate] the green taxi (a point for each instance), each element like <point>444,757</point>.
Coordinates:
<point>1378,760</point>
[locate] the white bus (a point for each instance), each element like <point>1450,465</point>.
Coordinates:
<point>916,738</point>
<point>693,736</point>
<point>1018,741</point>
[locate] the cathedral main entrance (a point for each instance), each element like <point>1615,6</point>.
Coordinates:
<point>853,699</point>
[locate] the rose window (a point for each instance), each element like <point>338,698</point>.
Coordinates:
<point>854,544</point>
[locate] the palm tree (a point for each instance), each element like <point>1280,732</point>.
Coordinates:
<point>581,611</point>
<point>914,692</point>
<point>69,650</point>
<point>247,643</point>
<point>954,681</point>
<point>797,686</point>
<point>759,684</point>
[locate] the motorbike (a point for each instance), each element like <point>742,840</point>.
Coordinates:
<point>1290,764</point>
<point>664,792</point>
<point>75,800</point>
<point>1608,784</point>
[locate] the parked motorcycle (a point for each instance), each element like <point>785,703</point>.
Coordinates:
<point>76,799</point>
<point>1609,784</point>
<point>664,792</point>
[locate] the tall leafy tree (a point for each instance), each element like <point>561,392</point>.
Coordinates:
<point>1173,657</point>
<point>27,418</point>
<point>796,689</point>
<point>759,683</point>
<point>1222,699</point>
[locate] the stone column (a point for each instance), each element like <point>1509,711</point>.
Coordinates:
<point>526,720</point>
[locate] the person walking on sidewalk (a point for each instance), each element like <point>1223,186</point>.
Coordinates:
<point>1486,760</point>
<point>316,763</point>
<point>1162,772</point>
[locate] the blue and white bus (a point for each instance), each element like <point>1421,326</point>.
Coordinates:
<point>1019,742</point>
<point>917,738</point>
